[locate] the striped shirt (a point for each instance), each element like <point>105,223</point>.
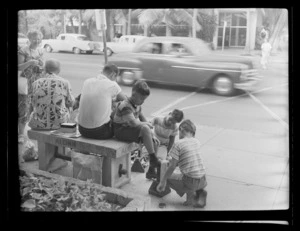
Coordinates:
<point>187,152</point>
<point>162,132</point>
<point>126,111</point>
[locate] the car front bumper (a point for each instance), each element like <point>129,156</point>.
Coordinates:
<point>250,84</point>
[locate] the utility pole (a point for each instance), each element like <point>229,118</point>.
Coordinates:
<point>224,30</point>
<point>101,26</point>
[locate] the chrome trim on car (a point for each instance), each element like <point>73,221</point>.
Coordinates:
<point>209,69</point>
<point>129,68</point>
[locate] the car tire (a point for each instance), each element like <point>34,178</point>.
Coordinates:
<point>76,50</point>
<point>109,51</point>
<point>127,78</point>
<point>223,85</point>
<point>48,48</point>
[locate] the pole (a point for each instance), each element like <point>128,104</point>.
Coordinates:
<point>223,40</point>
<point>104,42</point>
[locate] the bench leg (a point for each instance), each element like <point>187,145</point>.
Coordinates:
<point>110,171</point>
<point>46,155</point>
<point>47,160</point>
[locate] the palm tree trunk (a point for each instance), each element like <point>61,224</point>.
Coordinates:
<point>26,22</point>
<point>195,11</point>
<point>168,31</point>
<point>129,22</point>
<point>274,39</point>
<point>80,22</point>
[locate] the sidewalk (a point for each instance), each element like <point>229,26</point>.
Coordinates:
<point>245,171</point>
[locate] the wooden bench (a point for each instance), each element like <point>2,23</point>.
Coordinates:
<point>116,167</point>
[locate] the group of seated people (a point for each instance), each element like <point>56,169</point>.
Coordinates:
<point>104,112</point>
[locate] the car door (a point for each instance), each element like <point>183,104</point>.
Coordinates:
<point>181,67</point>
<point>58,43</point>
<point>69,43</point>
<point>152,61</point>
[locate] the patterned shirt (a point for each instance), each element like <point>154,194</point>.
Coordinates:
<point>32,73</point>
<point>51,98</point>
<point>126,111</point>
<point>162,132</point>
<point>187,152</point>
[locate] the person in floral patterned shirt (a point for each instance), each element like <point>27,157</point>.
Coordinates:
<point>30,63</point>
<point>51,99</point>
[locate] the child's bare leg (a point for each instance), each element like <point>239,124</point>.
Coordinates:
<point>189,198</point>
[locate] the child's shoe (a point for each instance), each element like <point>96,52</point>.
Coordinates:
<point>200,199</point>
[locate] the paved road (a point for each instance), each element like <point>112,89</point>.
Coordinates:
<point>266,110</point>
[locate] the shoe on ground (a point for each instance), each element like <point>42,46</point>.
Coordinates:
<point>200,199</point>
<point>151,174</point>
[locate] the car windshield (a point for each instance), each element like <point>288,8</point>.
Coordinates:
<point>82,38</point>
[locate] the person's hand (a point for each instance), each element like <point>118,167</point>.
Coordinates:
<point>161,187</point>
<point>149,125</point>
<point>34,62</point>
<point>156,141</point>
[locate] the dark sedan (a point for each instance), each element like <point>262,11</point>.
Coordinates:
<point>185,61</point>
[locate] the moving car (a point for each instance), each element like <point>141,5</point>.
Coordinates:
<point>76,43</point>
<point>22,40</point>
<point>186,61</point>
<point>125,44</point>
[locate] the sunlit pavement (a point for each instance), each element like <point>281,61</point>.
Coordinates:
<point>246,170</point>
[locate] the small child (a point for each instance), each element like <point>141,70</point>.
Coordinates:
<point>166,128</point>
<point>75,110</point>
<point>265,53</point>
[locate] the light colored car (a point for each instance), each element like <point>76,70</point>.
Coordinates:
<point>22,40</point>
<point>186,61</point>
<point>76,43</point>
<point>124,44</point>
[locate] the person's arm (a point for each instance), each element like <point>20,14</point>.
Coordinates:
<point>162,184</point>
<point>120,97</point>
<point>142,117</point>
<point>22,66</point>
<point>70,100</point>
<point>171,142</point>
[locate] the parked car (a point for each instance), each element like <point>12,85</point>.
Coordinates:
<point>76,43</point>
<point>124,44</point>
<point>22,40</point>
<point>186,61</point>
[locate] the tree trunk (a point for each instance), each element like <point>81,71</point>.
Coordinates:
<point>195,12</point>
<point>26,22</point>
<point>146,30</point>
<point>72,25</point>
<point>168,31</point>
<point>80,22</point>
<point>275,37</point>
<point>129,22</point>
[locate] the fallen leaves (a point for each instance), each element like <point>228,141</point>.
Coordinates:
<point>44,194</point>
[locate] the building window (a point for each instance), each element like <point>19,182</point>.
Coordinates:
<point>235,31</point>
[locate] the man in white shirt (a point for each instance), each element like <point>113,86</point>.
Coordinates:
<point>95,108</point>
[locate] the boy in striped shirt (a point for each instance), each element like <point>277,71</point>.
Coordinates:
<point>191,181</point>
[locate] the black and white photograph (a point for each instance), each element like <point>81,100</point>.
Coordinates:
<point>179,109</point>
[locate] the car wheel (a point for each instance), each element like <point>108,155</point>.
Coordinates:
<point>127,78</point>
<point>76,50</point>
<point>223,85</point>
<point>48,48</point>
<point>89,52</point>
<point>109,51</point>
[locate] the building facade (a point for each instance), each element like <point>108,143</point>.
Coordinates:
<point>236,28</point>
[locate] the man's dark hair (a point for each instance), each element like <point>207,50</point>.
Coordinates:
<point>141,87</point>
<point>111,68</point>
<point>178,115</point>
